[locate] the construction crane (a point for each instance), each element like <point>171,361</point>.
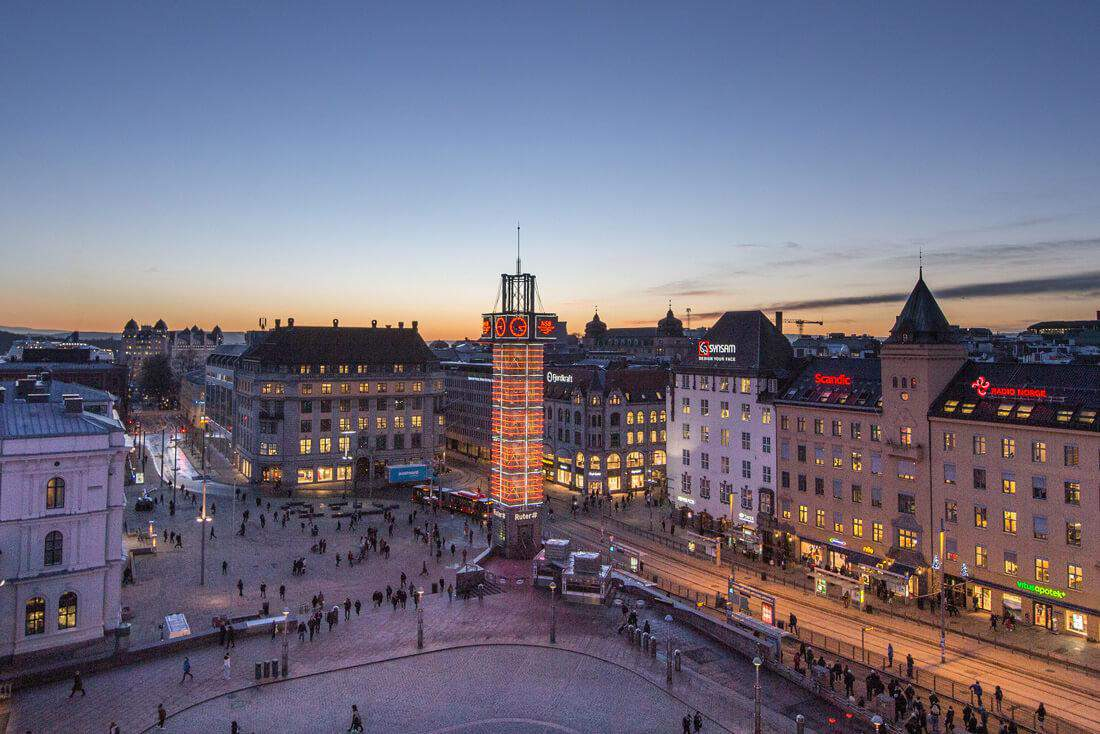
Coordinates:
<point>801,324</point>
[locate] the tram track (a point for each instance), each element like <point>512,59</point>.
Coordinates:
<point>1022,685</point>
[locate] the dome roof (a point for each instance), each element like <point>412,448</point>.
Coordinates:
<point>160,325</point>
<point>595,327</point>
<point>131,325</point>
<point>670,325</point>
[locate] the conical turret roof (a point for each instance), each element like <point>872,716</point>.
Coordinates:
<point>921,321</point>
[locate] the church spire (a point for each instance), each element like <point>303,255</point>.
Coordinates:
<point>921,320</point>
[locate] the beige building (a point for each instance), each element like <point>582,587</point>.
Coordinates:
<point>1015,471</point>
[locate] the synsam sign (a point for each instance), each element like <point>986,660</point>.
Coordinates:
<point>709,352</point>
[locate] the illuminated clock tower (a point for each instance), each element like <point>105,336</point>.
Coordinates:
<point>518,334</point>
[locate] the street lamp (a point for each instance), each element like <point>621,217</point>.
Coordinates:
<point>756,728</point>
<point>203,518</point>
<point>863,643</point>
<point>286,641</point>
<point>348,458</point>
<point>420,620</point>
<point>943,595</point>
<point>553,614</point>
<point>877,721</point>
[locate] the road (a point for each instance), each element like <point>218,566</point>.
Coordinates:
<point>1069,694</point>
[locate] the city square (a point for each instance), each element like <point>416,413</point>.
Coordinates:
<point>550,367</point>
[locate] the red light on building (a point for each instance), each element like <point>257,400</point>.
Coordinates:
<point>546,326</point>
<point>984,388</point>
<point>839,380</point>
<point>486,327</point>
<point>517,326</point>
<point>501,327</point>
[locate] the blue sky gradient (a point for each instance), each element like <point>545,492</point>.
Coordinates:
<point>215,162</point>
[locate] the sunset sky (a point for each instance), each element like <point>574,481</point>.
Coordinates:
<point>213,163</point>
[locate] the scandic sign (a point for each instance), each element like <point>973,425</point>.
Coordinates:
<point>821,379</point>
<point>983,387</point>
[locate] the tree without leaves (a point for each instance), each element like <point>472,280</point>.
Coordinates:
<point>157,380</point>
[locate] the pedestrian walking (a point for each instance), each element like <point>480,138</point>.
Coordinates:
<point>240,587</point>
<point>114,728</point>
<point>186,670</point>
<point>225,567</point>
<point>358,606</point>
<point>356,722</point>
<point>889,655</point>
<point>282,592</point>
<point>998,697</point>
<point>263,590</point>
<point>793,624</point>
<point>1040,716</point>
<point>78,686</point>
<point>232,637</point>
<point>697,721</point>
<point>976,689</point>
<point>908,665</point>
<point>686,724</point>
<point>347,609</point>
<point>162,715</point>
<point>226,664</point>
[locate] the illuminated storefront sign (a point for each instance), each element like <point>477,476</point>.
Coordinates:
<point>869,550</point>
<point>842,380</point>
<point>558,377</point>
<point>837,541</point>
<point>685,500</point>
<point>984,388</point>
<point>710,352</point>
<point>1040,590</point>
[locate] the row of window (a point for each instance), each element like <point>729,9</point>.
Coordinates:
<point>1040,525</point>
<point>1075,575</point>
<point>634,460</point>
<point>308,475</point>
<point>595,440</point>
<point>837,429</point>
<point>359,369</point>
<point>724,410</point>
<point>723,384</point>
<point>1071,455</point>
<point>635,417</point>
<point>724,465</point>
<point>343,405</point>
<point>1071,488</point>
<point>34,617</point>
<point>905,538</point>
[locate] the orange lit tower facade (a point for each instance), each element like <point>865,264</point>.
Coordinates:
<point>518,334</point>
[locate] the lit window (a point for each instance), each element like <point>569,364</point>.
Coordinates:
<point>66,611</point>
<point>907,539</point>
<point>1075,577</point>
<point>55,493</point>
<point>1009,523</point>
<point>1042,569</point>
<point>34,618</point>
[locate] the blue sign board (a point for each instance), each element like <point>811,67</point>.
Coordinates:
<point>409,473</point>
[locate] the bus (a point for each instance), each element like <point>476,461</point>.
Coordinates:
<point>456,500</point>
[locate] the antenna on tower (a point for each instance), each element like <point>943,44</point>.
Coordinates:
<point>519,266</point>
<point>920,262</point>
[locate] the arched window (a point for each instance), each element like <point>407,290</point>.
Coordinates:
<point>53,549</point>
<point>658,458</point>
<point>639,417</point>
<point>55,493</point>
<point>34,621</point>
<point>66,611</point>
<point>594,462</point>
<point>580,460</point>
<point>629,418</point>
<point>635,459</point>
<point>577,417</point>
<point>652,416</point>
<point>614,463</point>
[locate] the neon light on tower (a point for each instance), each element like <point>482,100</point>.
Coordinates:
<point>517,333</point>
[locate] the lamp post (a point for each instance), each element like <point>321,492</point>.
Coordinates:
<point>203,518</point>
<point>161,483</point>
<point>756,727</point>
<point>175,463</point>
<point>286,641</point>
<point>420,620</point>
<point>348,458</point>
<point>553,614</point>
<point>877,721</point>
<point>943,595</point>
<point>863,643</point>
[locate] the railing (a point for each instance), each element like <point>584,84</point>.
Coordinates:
<point>798,580</point>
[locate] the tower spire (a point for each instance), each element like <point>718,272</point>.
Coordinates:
<point>519,266</point>
<point>920,263</point>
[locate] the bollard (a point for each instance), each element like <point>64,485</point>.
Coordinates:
<point>637,637</point>
<point>259,670</point>
<point>274,668</point>
<point>267,668</point>
<point>668,662</point>
<point>800,724</point>
<point>676,656</point>
<point>645,642</point>
<point>653,647</point>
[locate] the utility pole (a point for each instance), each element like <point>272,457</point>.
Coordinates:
<point>162,455</point>
<point>175,463</point>
<point>203,519</point>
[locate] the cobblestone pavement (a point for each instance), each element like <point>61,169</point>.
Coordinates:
<point>168,581</point>
<point>717,684</point>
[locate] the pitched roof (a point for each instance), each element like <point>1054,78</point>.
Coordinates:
<point>921,321</point>
<point>294,345</point>
<point>849,383</point>
<point>1065,396</point>
<point>20,419</point>
<point>760,347</point>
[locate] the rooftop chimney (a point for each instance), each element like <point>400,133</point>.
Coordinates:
<point>73,403</point>
<point>38,397</point>
<point>400,324</point>
<point>416,325</point>
<point>779,321</point>
<point>374,323</point>
<point>335,323</point>
<point>290,321</point>
<point>278,323</point>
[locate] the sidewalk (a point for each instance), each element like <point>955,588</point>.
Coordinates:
<point>1026,640</point>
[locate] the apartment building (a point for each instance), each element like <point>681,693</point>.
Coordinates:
<point>721,428</point>
<point>1015,470</point>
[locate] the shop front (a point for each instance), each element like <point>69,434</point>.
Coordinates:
<point>1035,604</point>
